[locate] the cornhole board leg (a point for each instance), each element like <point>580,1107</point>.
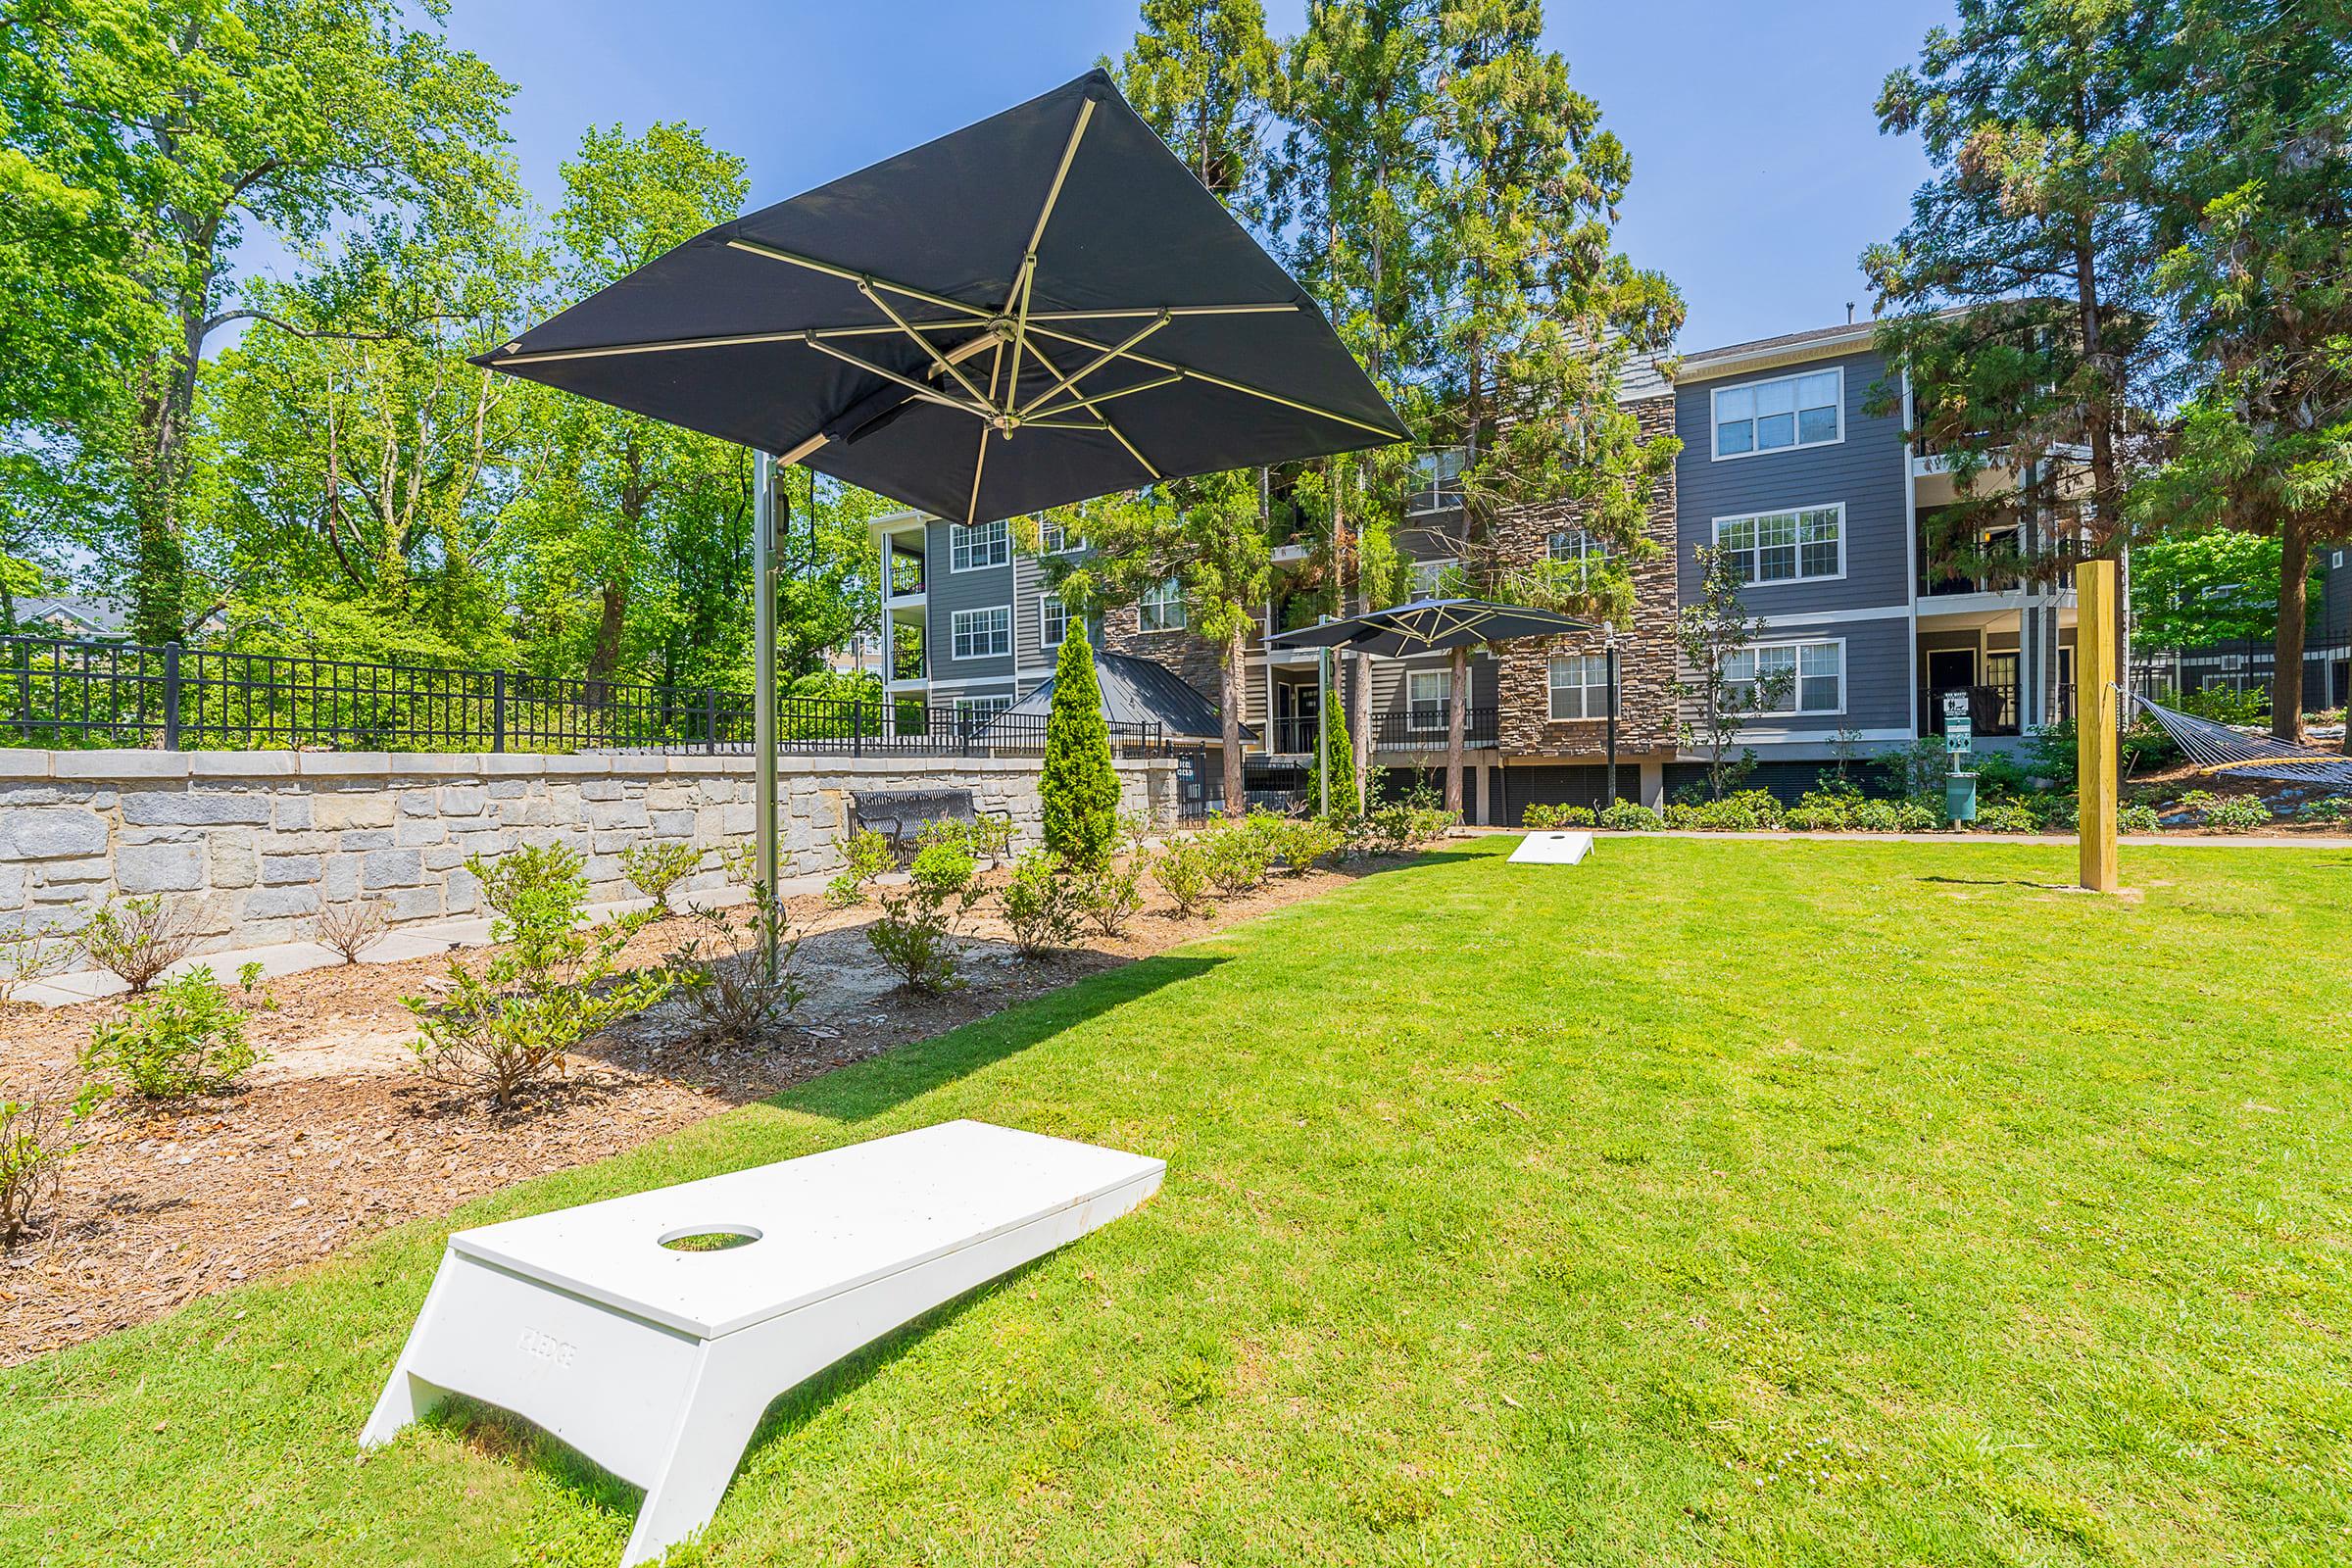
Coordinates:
<point>664,1409</point>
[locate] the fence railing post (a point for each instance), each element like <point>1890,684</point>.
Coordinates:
<point>710,720</point>
<point>498,711</point>
<point>170,697</point>
<point>857,726</point>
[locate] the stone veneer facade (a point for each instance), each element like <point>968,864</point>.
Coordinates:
<point>1647,710</point>
<point>256,840</point>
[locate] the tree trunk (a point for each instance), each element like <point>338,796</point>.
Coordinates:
<point>1359,725</point>
<point>604,657</point>
<point>2286,657</point>
<point>1458,701</point>
<point>1236,677</point>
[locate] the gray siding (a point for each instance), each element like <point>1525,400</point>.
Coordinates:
<point>1878,687</point>
<point>1865,471</point>
<point>949,591</point>
<point>2335,596</point>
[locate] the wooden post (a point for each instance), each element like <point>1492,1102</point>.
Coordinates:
<point>2095,721</point>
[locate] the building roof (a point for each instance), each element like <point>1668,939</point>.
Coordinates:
<point>1137,691</point>
<point>1788,348</point>
<point>71,617</point>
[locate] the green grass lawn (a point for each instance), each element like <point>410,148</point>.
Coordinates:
<point>1710,1202</point>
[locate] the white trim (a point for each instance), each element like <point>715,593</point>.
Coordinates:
<point>956,658</point>
<point>1446,696</point>
<point>1583,688</point>
<point>1715,537</point>
<point>1833,618</point>
<point>1715,424</point>
<point>969,681</point>
<point>1738,358</point>
<point>954,539</point>
<point>1042,597</point>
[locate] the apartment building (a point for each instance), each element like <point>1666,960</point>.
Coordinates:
<point>1793,460</point>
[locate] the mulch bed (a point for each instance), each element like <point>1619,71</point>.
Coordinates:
<point>336,1136</point>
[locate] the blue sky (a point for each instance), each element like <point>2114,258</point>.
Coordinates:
<point>1759,172</point>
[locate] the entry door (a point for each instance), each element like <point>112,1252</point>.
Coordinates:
<point>1948,669</point>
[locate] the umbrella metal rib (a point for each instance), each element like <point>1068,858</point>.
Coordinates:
<point>998,407</point>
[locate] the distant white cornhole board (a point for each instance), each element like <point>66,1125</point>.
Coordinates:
<point>1553,848</point>
<point>658,1363</point>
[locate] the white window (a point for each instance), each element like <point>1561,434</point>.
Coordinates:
<point>2337,560</point>
<point>1162,608</point>
<point>1796,410</point>
<point>1784,546</point>
<point>1428,693</point>
<point>1429,577</point>
<point>980,709</point>
<point>1810,677</point>
<point>1436,481</point>
<point>1053,620</point>
<point>1051,539</point>
<point>982,633</point>
<point>1580,686</point>
<point>1580,550</point>
<point>987,544</point>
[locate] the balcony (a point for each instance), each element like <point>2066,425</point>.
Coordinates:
<point>1416,729</point>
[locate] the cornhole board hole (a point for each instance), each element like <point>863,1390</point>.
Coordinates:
<point>658,1363</point>
<point>1553,848</point>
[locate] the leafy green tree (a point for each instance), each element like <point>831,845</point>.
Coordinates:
<point>1078,790</point>
<point>190,121</point>
<point>1200,73</point>
<point>2194,590</point>
<point>2256,183</point>
<point>1538,318</point>
<point>2020,294</point>
<point>1209,535</point>
<point>1711,632</point>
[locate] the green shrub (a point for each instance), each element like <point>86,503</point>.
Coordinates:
<point>1238,856</point>
<point>721,971</point>
<point>1078,790</point>
<point>1040,904</point>
<point>1298,842</point>
<point>986,839</point>
<point>2057,813</point>
<point>1550,819</point>
<point>866,855</point>
<point>1745,812</point>
<point>2222,705</point>
<point>138,939</point>
<point>1818,819</point>
<point>921,924</point>
<point>2327,808</point>
<point>1390,830</point>
<point>2138,819</point>
<point>183,1040</point>
<point>1182,868</point>
<point>2050,751</point>
<point>32,952</point>
<point>655,869</point>
<point>1631,817</point>
<point>2226,812</point>
<point>2006,817</point>
<point>1109,896</point>
<point>35,1146</point>
<point>552,982</point>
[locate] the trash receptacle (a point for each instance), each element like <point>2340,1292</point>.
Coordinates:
<point>1960,798</point>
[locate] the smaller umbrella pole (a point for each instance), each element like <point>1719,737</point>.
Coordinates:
<point>1612,782</point>
<point>1323,723</point>
<point>763,695</point>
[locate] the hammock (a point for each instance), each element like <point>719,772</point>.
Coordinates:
<point>2219,749</point>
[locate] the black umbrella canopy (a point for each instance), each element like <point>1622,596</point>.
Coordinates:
<point>1430,626</point>
<point>1040,308</point>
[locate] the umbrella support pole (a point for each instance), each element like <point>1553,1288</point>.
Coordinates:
<point>763,698</point>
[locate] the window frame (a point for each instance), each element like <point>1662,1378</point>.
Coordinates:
<point>1438,570</point>
<point>1052,539</point>
<point>1413,705</point>
<point>960,551</point>
<point>1166,595</point>
<point>1715,422</point>
<point>1796,685</point>
<point>1054,599</point>
<point>995,703</point>
<point>1583,688</point>
<point>1439,486</point>
<point>1594,550</point>
<point>1715,537</point>
<point>956,633</point>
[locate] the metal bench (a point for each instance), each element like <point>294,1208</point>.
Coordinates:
<point>898,815</point>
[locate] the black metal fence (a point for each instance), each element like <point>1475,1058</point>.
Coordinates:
<point>1416,728</point>
<point>74,695</point>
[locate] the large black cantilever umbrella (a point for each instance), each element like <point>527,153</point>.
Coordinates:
<point>1040,308</point>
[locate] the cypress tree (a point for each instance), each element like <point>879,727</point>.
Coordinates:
<point>1336,757</point>
<point>1078,792</point>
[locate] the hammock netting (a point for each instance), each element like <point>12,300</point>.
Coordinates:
<point>2219,749</point>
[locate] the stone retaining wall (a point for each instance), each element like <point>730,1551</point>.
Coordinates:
<point>254,841</point>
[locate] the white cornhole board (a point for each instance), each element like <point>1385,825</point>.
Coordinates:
<point>658,1363</point>
<point>1553,848</point>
